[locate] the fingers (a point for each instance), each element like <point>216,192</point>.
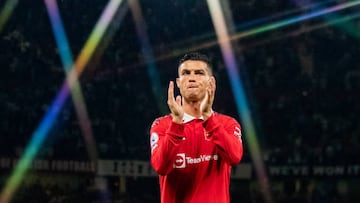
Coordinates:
<point>174,104</point>
<point>171,92</point>
<point>206,104</point>
<point>178,100</point>
<point>171,100</point>
<point>211,93</point>
<point>212,85</point>
<point>212,90</point>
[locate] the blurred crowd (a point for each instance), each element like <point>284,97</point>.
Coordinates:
<point>302,85</point>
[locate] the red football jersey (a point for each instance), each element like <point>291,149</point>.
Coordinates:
<point>194,159</point>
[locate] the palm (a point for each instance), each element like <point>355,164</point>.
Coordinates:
<point>174,105</point>
<point>206,104</point>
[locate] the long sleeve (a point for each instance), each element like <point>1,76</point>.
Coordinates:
<point>225,132</point>
<point>193,159</point>
<point>165,138</point>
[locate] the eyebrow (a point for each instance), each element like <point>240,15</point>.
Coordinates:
<point>195,70</point>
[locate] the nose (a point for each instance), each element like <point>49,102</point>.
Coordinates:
<point>192,78</point>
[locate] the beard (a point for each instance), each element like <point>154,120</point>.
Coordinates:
<point>194,96</point>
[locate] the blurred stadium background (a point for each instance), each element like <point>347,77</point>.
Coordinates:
<point>287,70</point>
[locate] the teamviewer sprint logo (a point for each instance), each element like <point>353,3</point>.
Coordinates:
<point>180,161</point>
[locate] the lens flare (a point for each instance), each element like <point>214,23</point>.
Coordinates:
<point>47,122</point>
<point>67,61</point>
<point>241,101</point>
<point>7,10</point>
<point>148,54</point>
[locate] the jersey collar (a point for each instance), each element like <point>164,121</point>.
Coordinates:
<point>187,118</point>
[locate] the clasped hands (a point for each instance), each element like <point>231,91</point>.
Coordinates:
<point>176,104</point>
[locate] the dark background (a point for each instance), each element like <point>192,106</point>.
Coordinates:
<point>301,80</point>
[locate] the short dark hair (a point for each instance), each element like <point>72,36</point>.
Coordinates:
<point>197,56</point>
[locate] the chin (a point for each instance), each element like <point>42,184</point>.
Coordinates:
<point>194,97</point>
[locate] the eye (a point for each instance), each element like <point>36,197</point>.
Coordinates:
<point>200,72</point>
<point>185,72</point>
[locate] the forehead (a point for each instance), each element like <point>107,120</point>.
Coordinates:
<point>192,65</point>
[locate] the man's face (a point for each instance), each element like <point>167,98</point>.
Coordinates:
<point>194,79</point>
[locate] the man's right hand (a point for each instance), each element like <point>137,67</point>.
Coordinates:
<point>175,104</point>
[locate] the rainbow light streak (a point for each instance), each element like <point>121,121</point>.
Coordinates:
<point>253,23</point>
<point>249,24</point>
<point>309,29</point>
<point>349,27</point>
<point>266,28</point>
<point>95,38</point>
<point>148,54</point>
<point>47,122</point>
<point>239,94</point>
<point>6,12</point>
<point>30,152</point>
<point>76,93</point>
<point>108,36</point>
<point>295,20</point>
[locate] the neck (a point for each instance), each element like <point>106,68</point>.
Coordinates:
<point>192,108</point>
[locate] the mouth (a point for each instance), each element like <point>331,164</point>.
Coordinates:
<point>192,87</point>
